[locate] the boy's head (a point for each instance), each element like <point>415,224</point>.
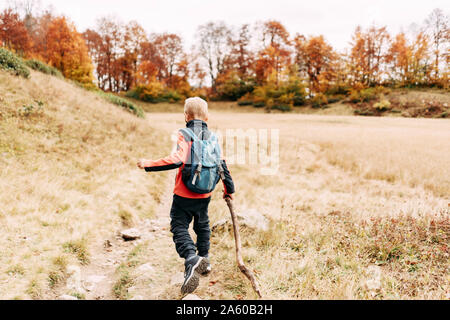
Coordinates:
<point>196,108</point>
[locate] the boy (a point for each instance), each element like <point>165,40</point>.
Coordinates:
<point>188,205</point>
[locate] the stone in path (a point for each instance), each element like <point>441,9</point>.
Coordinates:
<point>130,234</point>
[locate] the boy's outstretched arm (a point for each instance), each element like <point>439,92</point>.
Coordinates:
<point>228,183</point>
<point>175,160</point>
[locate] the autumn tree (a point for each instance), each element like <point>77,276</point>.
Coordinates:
<point>133,36</point>
<point>241,58</point>
<point>315,58</point>
<point>94,44</point>
<point>275,53</point>
<point>151,65</point>
<point>67,51</point>
<point>38,30</point>
<point>409,59</point>
<point>214,47</point>
<point>104,45</point>
<point>13,33</point>
<point>438,26</point>
<point>170,50</point>
<point>368,54</point>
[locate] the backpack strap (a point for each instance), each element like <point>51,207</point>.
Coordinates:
<point>189,133</point>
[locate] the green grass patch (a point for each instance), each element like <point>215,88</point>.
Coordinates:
<point>13,63</point>
<point>79,249</point>
<point>124,103</point>
<point>44,68</point>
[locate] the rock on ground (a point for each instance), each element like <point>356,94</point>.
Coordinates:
<point>130,234</point>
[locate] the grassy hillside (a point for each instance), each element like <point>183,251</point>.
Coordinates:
<point>67,178</point>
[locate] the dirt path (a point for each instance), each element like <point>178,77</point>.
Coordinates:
<point>149,279</point>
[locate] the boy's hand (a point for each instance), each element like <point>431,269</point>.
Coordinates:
<point>141,163</point>
<point>225,195</point>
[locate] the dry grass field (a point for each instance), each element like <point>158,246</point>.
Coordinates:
<point>354,196</point>
<point>67,179</point>
<point>358,210</point>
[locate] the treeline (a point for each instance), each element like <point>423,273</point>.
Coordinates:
<point>260,64</point>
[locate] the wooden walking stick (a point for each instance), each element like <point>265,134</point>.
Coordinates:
<point>237,240</point>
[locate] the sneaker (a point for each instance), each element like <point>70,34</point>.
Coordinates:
<point>193,267</point>
<point>207,268</point>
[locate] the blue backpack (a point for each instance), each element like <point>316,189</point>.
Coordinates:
<point>203,169</point>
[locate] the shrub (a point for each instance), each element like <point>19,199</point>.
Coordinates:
<point>44,68</point>
<point>298,101</point>
<point>127,105</point>
<point>368,94</point>
<point>338,90</point>
<point>234,88</point>
<point>282,107</point>
<point>13,64</point>
<point>246,100</point>
<point>319,100</point>
<point>333,100</point>
<point>364,112</point>
<point>359,94</point>
<point>154,92</point>
<point>245,103</point>
<point>354,97</point>
<point>289,93</point>
<point>260,104</point>
<point>383,105</point>
<point>170,95</point>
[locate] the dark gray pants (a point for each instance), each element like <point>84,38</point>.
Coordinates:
<point>182,212</point>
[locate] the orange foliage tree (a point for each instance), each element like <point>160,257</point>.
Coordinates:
<point>240,58</point>
<point>13,33</point>
<point>409,61</point>
<point>315,57</point>
<point>275,54</point>
<point>368,54</point>
<point>67,51</point>
<point>170,51</point>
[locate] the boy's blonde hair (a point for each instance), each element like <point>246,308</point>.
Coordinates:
<point>196,108</point>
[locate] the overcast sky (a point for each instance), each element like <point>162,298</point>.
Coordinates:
<point>336,19</point>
